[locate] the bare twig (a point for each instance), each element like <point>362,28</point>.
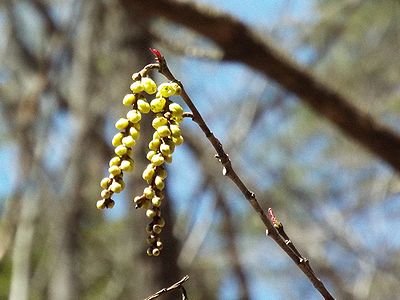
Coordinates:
<point>228,170</point>
<point>177,285</point>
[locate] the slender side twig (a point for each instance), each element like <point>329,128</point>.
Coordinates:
<point>228,170</point>
<point>177,285</point>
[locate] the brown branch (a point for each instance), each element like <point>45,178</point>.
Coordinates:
<point>228,170</point>
<point>28,56</point>
<point>241,44</point>
<point>177,285</point>
<point>185,49</point>
<point>44,11</point>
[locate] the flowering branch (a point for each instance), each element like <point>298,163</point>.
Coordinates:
<point>275,232</point>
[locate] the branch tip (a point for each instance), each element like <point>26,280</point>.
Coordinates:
<point>273,218</point>
<point>156,53</point>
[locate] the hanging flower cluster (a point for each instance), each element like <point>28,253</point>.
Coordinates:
<point>167,117</point>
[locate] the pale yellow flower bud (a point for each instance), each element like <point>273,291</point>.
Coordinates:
<point>127,165</point>
<point>156,201</point>
<point>150,154</point>
<point>134,116</point>
<point>128,141</point>
<point>165,149</point>
<point>166,90</point>
<point>154,145</point>
<point>105,182</point>
<point>159,121</point>
<point>129,99</point>
<point>157,104</point>
<point>157,160</point>
<point>148,192</point>
<point>115,161</point>
<point>177,140</point>
<point>120,150</point>
<point>175,130</point>
<point>156,252</point>
<point>101,204</point>
<point>150,213</point>
<point>105,194</point>
<point>164,131</point>
<point>159,182</point>
<point>149,85</point>
<point>117,139</point>
<point>116,187</point>
<point>175,109</point>
<point>143,106</point>
<point>114,170</point>
<point>134,132</point>
<point>137,87</point>
<point>121,124</point>
<point>148,174</point>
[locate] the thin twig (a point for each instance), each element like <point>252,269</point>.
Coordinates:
<point>228,170</point>
<point>177,285</point>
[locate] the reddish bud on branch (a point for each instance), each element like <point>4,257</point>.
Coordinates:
<point>272,217</point>
<point>157,53</point>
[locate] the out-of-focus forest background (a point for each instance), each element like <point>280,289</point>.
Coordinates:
<point>64,68</point>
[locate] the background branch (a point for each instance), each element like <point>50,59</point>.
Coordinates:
<point>241,44</point>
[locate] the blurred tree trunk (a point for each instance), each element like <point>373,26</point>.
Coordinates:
<point>163,270</point>
<point>65,280</point>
